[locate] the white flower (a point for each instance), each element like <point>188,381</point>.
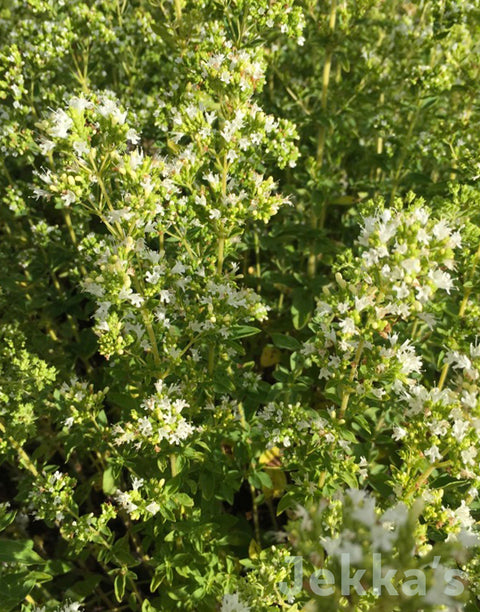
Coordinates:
<point>441,230</point>
<point>420,214</point>
<point>469,455</point>
<point>79,104</point>
<point>365,513</point>
<point>61,124</point>
<point>123,498</point>
<point>145,427</point>
<point>397,515</point>
<point>362,467</point>
<point>114,216</point>
<point>455,240</point>
<point>178,268</point>
<point>348,326</point>
<point>409,361</point>
<point>225,76</point>
<point>411,265</point>
<point>46,146</point>
<point>137,483</point>
<point>399,433</point>
<point>423,293</point>
<point>69,422</point>
<point>68,198</point>
<point>433,454</point>
<point>136,159</point>
<point>463,516</point>
<point>386,231</point>
<point>214,213</point>
<point>423,236</point>
<point>81,148</point>
<point>110,109</point>
<point>153,507</point>
<point>232,603</point>
<point>73,606</point>
<point>402,291</point>
<point>382,537</point>
<point>469,399</point>
<point>136,299</point>
<point>428,318</point>
<point>439,428</point>
<point>460,429</point>
<point>132,136</point>
<point>442,280</point>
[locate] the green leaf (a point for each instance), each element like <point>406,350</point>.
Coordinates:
<point>207,485</point>
<point>109,481</point>
<point>260,480</point>
<point>57,567</point>
<point>243,331</point>
<point>302,308</point>
<point>119,586</point>
<point>147,606</point>
<point>287,501</point>
<point>87,345</point>
<point>184,500</point>
<point>156,581</point>
<point>286,342</point>
<point>14,588</point>
<point>7,518</point>
<point>19,551</point>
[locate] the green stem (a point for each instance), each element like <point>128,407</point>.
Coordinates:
<point>24,458</point>
<point>314,220</point>
<point>178,9</point>
<point>173,465</point>
<point>425,475</point>
<point>73,237</point>
<point>258,269</point>
<point>220,252</point>
<point>220,257</point>
<point>256,519</point>
<point>346,395</point>
<point>135,590</point>
<point>403,155</point>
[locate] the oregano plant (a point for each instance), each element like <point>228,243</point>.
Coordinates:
<point>239,346</point>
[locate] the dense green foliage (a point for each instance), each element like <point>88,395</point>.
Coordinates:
<point>239,304</point>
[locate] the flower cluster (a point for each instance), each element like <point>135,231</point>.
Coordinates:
<point>378,553</point>
<point>159,419</point>
<point>405,257</point>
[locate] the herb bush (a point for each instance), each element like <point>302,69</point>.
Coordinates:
<point>239,305</point>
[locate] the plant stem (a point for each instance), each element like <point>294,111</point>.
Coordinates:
<point>256,520</point>
<point>24,458</point>
<point>314,220</point>
<point>346,395</point>
<point>178,9</point>
<point>148,325</point>
<point>220,253</point>
<point>424,476</point>
<point>220,257</point>
<point>173,465</point>
<point>258,270</point>
<point>415,114</point>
